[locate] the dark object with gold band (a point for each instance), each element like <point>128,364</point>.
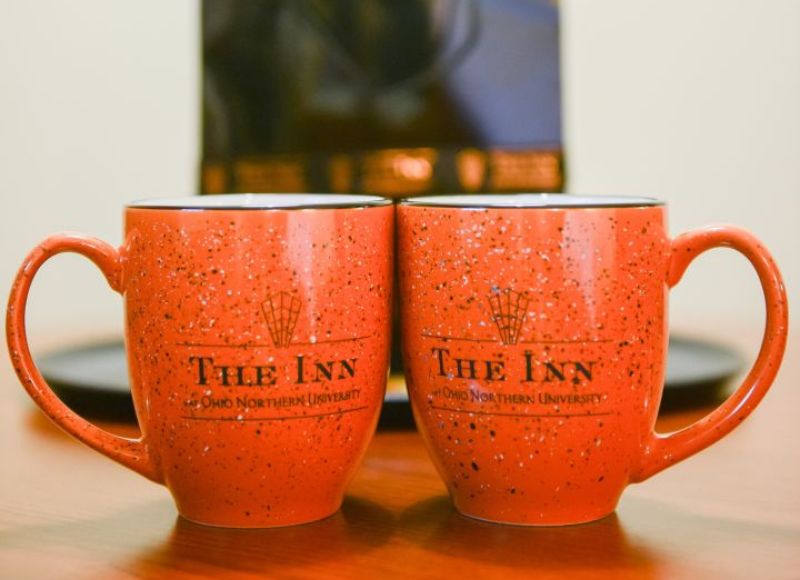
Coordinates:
<point>379,96</point>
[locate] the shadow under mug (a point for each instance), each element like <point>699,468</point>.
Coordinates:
<point>534,340</point>
<point>257,336</point>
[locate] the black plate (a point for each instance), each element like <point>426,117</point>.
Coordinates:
<point>93,380</point>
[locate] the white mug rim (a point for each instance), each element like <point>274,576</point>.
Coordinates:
<point>529,201</point>
<point>261,201</point>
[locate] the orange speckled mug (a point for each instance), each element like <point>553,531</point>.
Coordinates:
<point>257,333</point>
<point>534,337</point>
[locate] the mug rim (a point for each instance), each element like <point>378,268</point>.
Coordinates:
<point>529,201</point>
<point>262,202</point>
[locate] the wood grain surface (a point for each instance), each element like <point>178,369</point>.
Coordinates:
<point>730,512</point>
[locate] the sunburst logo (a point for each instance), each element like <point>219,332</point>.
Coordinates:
<point>509,309</point>
<point>281,311</point>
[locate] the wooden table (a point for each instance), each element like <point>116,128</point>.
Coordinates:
<point>731,512</point>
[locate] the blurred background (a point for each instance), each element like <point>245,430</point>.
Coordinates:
<point>693,101</point>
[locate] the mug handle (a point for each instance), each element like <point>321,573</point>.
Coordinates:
<point>661,451</point>
<point>132,453</point>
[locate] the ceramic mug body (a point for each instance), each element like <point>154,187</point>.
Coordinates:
<point>534,340</point>
<point>257,334</point>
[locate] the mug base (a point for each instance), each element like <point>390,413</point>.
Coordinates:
<point>254,521</point>
<point>543,522</point>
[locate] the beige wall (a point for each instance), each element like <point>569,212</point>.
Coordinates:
<point>695,101</point>
<point>98,106</point>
